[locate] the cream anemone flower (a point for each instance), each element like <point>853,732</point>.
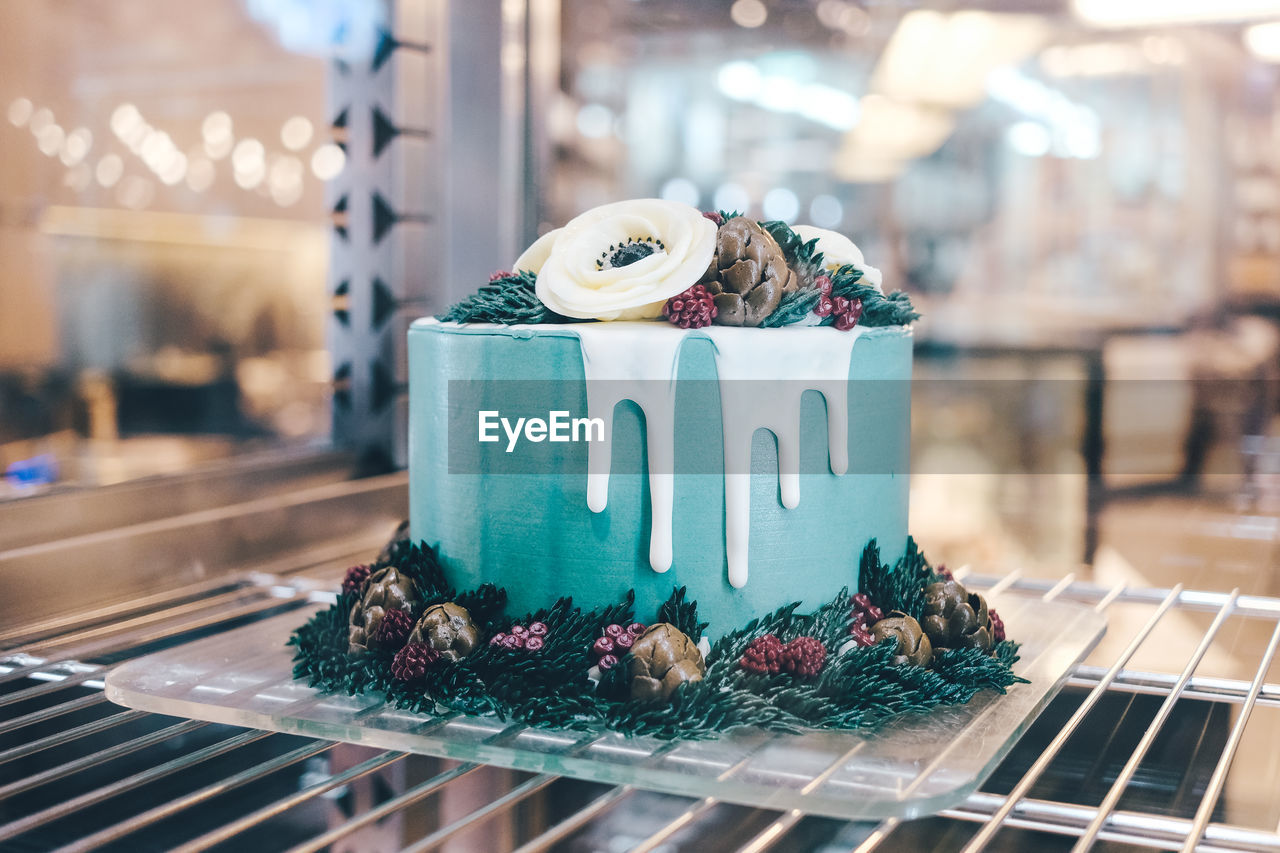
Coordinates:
<point>622,261</point>
<point>532,259</point>
<point>838,250</point>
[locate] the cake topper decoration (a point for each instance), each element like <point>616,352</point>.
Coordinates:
<point>621,261</point>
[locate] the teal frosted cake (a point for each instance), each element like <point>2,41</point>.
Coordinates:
<point>661,458</point>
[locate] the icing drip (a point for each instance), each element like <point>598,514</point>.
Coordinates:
<point>637,362</point>
<point>763,373</point>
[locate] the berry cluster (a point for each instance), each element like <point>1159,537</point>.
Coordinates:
<point>494,276</point>
<point>615,643</point>
<point>767,655</point>
<point>693,309</point>
<point>393,630</point>
<point>519,637</point>
<point>412,661</point>
<point>943,572</point>
<point>355,578</point>
<point>997,626</point>
<point>864,615</point>
<point>764,656</point>
<point>846,311</point>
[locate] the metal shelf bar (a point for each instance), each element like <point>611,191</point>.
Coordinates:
<point>415,794</point>
<point>1143,829</point>
<point>1033,774</point>
<point>1160,683</point>
<point>1148,737</point>
<point>64,737</point>
<point>96,758</point>
<point>1219,778</point>
<point>150,816</point>
<point>522,791</point>
<point>235,827</point>
<point>185,762</point>
<point>52,711</point>
<point>568,826</point>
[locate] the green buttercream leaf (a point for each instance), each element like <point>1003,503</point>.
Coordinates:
<point>508,300</point>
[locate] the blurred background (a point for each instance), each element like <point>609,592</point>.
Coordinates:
<point>218,219</point>
<point>216,223</point>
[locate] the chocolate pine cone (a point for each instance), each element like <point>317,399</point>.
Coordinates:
<point>448,629</point>
<point>748,274</point>
<point>386,589</point>
<point>955,618</point>
<point>662,659</point>
<point>913,644</point>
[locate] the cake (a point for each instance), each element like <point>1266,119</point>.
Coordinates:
<point>662,429</point>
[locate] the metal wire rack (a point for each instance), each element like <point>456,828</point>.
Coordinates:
<point>1126,756</point>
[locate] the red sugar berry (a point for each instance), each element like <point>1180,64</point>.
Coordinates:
<point>355,578</point>
<point>804,656</point>
<point>533,643</point>
<point>412,661</point>
<point>997,626</point>
<point>614,630</point>
<point>607,662</point>
<point>847,319</point>
<point>865,613</point>
<point>824,306</point>
<point>764,655</point>
<point>519,630</point>
<point>861,635</point>
<point>823,283</point>
<point>943,572</point>
<point>623,641</point>
<point>714,217</point>
<point>635,629</point>
<point>513,641</point>
<point>839,305</point>
<point>692,309</point>
<point>538,629</point>
<point>500,274</point>
<point>393,630</point>
<point>497,639</point>
<point>603,646</point>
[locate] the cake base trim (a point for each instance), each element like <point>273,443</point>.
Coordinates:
<point>784,672</point>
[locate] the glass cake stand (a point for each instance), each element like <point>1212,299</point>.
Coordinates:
<point>916,765</point>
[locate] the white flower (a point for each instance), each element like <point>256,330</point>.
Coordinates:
<point>838,250</point>
<point>622,261</point>
<point>532,259</point>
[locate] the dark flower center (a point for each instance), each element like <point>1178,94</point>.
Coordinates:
<point>625,254</point>
<point>629,254</point>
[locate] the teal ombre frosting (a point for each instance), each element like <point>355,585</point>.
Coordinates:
<point>533,534</point>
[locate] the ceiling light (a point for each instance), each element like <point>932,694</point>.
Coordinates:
<point>749,13</point>
<point>1145,13</point>
<point>1264,41</point>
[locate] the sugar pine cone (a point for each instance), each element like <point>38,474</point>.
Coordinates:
<point>662,659</point>
<point>386,589</point>
<point>955,618</point>
<point>448,629</point>
<point>748,274</point>
<point>913,643</point>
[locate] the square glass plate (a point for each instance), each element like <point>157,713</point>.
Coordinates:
<point>916,765</point>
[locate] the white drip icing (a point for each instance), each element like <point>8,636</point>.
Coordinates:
<point>637,362</point>
<point>781,365</point>
<point>763,374</point>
